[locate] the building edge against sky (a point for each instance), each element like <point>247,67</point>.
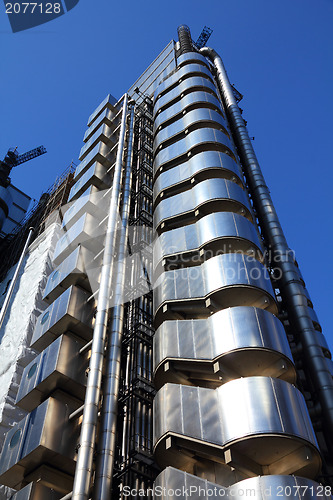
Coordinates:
<point>177,344</point>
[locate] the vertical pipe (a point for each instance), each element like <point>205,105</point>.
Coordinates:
<point>84,463</point>
<point>185,40</point>
<point>107,438</point>
<point>14,278</point>
<point>291,288</point>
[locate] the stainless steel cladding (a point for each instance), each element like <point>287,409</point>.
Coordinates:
<point>233,343</point>
<point>212,195</point>
<point>195,488</point>
<point>69,312</point>
<point>92,201</point>
<point>96,175</point>
<point>204,165</point>
<point>258,488</point>
<point>72,271</point>
<point>257,424</point>
<point>222,281</point>
<point>214,234</point>
<point>45,436</point>
<point>191,57</point>
<point>108,103</point>
<point>194,69</point>
<point>59,366</point>
<point>101,154</point>
<point>195,141</point>
<point>292,290</point>
<point>87,231</point>
<point>195,99</point>
<point>191,120</point>
<point>36,491</point>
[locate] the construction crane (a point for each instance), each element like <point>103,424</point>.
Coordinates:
<point>13,158</point>
<point>203,37</point>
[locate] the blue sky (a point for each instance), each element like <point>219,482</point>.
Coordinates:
<point>277,53</point>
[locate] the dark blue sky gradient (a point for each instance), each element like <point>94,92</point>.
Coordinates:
<point>277,53</point>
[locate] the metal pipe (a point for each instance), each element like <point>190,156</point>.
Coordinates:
<point>86,347</point>
<point>185,40</point>
<point>107,437</point>
<point>14,278</point>
<point>67,497</point>
<point>84,464</point>
<point>291,287</point>
<point>76,413</point>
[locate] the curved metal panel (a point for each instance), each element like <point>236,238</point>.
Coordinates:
<point>45,436</point>
<point>196,99</point>
<point>211,195</point>
<point>207,138</point>
<point>72,271</point>
<point>223,281</point>
<point>191,56</point>
<point>69,312</point>
<point>103,134</point>
<point>92,201</point>
<point>216,233</point>
<point>59,366</point>
<point>268,487</point>
<point>96,175</point>
<point>196,116</point>
<point>186,86</point>
<point>100,154</point>
<point>86,232</point>
<point>233,343</point>
<point>182,73</point>
<point>315,319</point>
<point>171,481</point>
<point>202,166</point>
<point>263,423</point>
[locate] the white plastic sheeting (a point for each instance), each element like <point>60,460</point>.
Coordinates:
<point>16,332</point>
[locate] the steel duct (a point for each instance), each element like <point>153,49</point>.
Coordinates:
<point>91,405</point>
<point>291,288</point>
<point>107,438</point>
<point>185,40</point>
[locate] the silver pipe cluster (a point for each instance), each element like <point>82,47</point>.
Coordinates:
<point>84,465</point>
<point>107,438</point>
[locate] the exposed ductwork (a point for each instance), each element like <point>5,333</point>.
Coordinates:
<point>185,40</point>
<point>107,438</point>
<point>91,406</point>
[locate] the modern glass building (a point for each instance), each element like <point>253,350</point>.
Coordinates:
<point>171,348</point>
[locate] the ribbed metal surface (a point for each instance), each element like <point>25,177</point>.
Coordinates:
<point>72,271</point>
<point>213,234</point>
<point>71,312</point>
<point>43,437</point>
<point>211,195</point>
<point>233,343</point>
<point>195,99</point>
<point>185,39</point>
<point>172,480</point>
<point>193,119</point>
<point>261,419</point>
<point>59,366</point>
<point>182,74</point>
<point>202,166</point>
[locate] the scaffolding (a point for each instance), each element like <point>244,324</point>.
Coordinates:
<point>44,212</point>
